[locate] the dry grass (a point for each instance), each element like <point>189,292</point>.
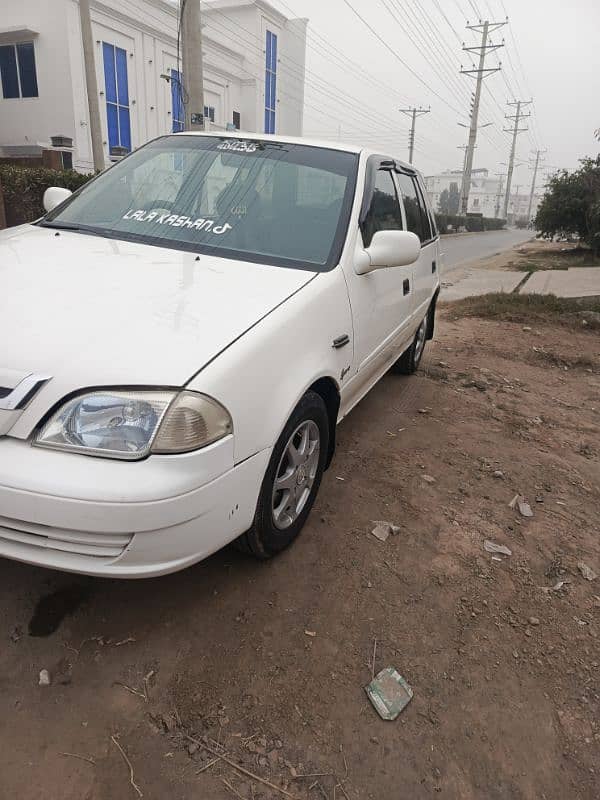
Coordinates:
<point>545,255</point>
<point>530,308</point>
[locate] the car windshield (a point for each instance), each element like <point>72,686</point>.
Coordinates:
<point>267,202</point>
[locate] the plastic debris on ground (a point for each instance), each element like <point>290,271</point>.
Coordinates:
<point>383,529</point>
<point>587,572</point>
<point>524,508</point>
<point>44,679</point>
<point>389,693</point>
<point>492,547</point>
<point>519,502</point>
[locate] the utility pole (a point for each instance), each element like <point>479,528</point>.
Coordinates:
<point>516,201</point>
<point>481,72</point>
<point>538,155</point>
<point>515,132</point>
<point>501,176</point>
<point>464,147</point>
<point>414,113</point>
<point>193,75</point>
<point>91,85</point>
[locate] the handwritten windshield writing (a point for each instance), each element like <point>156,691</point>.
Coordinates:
<point>177,221</point>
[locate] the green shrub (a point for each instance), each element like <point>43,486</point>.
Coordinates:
<point>24,187</point>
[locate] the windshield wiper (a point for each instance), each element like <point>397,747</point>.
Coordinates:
<point>60,226</point>
<point>70,226</point>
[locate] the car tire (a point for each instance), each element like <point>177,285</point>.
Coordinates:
<point>291,482</point>
<point>409,361</point>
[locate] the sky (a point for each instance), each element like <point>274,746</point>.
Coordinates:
<point>358,79</point>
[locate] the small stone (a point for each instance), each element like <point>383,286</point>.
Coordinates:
<point>44,678</point>
<point>587,572</point>
<point>498,474</point>
<point>534,621</point>
<point>263,761</point>
<point>526,328</point>
<point>374,739</point>
<point>428,478</point>
<point>192,748</point>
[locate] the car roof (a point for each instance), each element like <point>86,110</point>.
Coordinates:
<point>303,140</point>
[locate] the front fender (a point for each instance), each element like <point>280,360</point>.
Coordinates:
<point>261,377</point>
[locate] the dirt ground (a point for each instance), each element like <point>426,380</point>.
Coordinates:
<point>265,664</point>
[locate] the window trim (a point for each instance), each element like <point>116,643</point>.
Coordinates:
<point>384,166</point>
<point>15,46</point>
<point>423,203</point>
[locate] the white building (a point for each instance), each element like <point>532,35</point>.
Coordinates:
<point>486,195</point>
<point>483,194</point>
<point>254,68</point>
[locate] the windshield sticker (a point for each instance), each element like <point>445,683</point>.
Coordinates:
<point>239,146</point>
<point>177,221</point>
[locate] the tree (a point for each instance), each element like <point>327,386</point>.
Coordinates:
<point>572,204</point>
<point>449,200</point>
<point>443,203</point>
<point>453,199</point>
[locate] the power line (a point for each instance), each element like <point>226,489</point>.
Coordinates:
<point>332,96</point>
<point>398,58</point>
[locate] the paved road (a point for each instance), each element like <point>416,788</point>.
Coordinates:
<point>468,247</point>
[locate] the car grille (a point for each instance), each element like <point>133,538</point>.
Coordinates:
<point>98,545</point>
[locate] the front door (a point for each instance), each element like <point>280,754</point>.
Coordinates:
<point>382,300</point>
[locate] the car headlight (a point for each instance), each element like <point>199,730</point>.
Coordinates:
<point>133,424</point>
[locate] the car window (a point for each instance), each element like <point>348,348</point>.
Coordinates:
<point>384,212</point>
<point>275,203</point>
<point>416,216</point>
<point>430,227</point>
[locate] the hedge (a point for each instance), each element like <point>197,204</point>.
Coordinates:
<point>23,189</point>
<point>471,223</point>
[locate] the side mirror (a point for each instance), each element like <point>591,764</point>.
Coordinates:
<point>54,196</point>
<point>390,249</point>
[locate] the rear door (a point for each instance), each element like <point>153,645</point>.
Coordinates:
<point>418,221</point>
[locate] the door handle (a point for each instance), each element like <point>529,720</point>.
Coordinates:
<point>433,266</point>
<point>406,286</point>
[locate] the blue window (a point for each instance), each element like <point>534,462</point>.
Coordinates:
<point>17,70</point>
<point>117,96</point>
<point>271,83</point>
<point>177,101</point>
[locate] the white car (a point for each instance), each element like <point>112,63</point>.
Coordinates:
<point>180,337</point>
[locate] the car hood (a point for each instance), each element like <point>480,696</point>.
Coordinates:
<point>91,311</point>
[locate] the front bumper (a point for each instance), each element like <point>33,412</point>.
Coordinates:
<point>96,517</point>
